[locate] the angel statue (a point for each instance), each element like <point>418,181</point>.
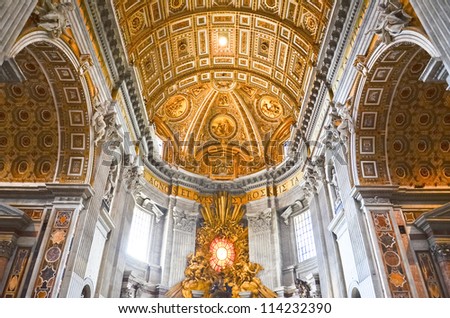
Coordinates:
<point>53,17</point>
<point>391,21</point>
<point>345,127</point>
<point>98,120</point>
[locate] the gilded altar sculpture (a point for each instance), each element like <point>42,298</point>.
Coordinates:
<point>220,266</point>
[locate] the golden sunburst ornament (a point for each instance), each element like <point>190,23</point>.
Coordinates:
<point>221,262</point>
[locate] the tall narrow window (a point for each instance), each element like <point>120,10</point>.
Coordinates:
<point>139,235</point>
<point>304,236</point>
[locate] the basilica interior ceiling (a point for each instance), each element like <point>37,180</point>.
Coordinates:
<point>223,80</point>
<point>44,136</point>
<point>402,131</point>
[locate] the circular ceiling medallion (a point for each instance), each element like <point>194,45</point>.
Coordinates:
<point>416,68</point>
<point>25,141</point>
<point>406,92</point>
<point>431,93</point>
<point>424,119</point>
<point>222,126</point>
<point>222,254</point>
<point>447,119</point>
<point>400,172</point>
<point>3,141</point>
<point>23,115</point>
<point>445,145</point>
<point>30,67</point>
<point>270,108</point>
<point>176,4</point>
<point>311,23</point>
<point>271,4</point>
<point>40,90</point>
<point>447,172</point>
<point>45,115</point>
<point>45,167</point>
<point>422,146</point>
<point>48,141</point>
<point>22,167</point>
<point>17,90</point>
<point>176,107</point>
<point>400,119</point>
<point>137,23</point>
<point>425,172</point>
<point>398,146</point>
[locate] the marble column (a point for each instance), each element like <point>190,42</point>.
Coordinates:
<point>434,16</point>
<point>13,16</point>
<point>7,247</point>
<point>264,246</point>
<point>183,243</point>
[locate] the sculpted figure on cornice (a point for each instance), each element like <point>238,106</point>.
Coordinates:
<point>346,126</point>
<point>85,64</point>
<point>111,182</point>
<point>360,64</point>
<point>391,21</point>
<point>53,17</point>
<point>132,173</point>
<point>98,119</point>
<point>314,172</point>
<point>340,128</point>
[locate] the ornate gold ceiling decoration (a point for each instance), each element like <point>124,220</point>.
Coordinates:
<point>227,133</point>
<point>223,72</point>
<point>46,132</point>
<point>402,127</point>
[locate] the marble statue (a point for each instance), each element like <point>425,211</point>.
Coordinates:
<point>53,17</point>
<point>391,21</point>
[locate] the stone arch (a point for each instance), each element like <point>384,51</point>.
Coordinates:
<point>401,121</point>
<point>49,136</point>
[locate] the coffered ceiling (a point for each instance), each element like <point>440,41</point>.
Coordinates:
<point>223,80</point>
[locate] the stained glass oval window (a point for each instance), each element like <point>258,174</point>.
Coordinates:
<point>222,253</point>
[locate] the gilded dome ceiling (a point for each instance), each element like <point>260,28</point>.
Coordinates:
<point>223,80</point>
